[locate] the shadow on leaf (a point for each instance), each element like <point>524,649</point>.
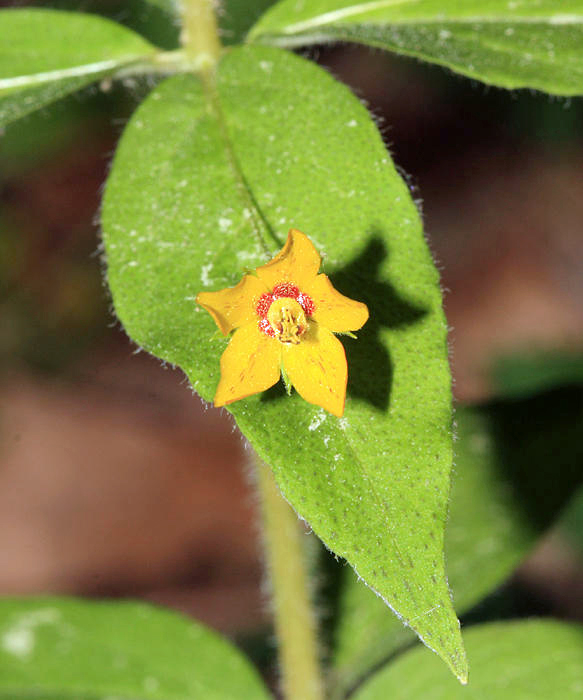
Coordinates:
<point>370,369</point>
<point>369,364</point>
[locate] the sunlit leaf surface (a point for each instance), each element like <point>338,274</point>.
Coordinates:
<point>193,189</point>
<point>517,465</point>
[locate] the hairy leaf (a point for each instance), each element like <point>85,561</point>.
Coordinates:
<point>517,465</point>
<point>520,44</point>
<point>47,54</point>
<point>193,189</point>
<point>533,660</point>
<point>69,649</point>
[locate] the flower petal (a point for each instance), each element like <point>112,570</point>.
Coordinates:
<point>234,306</point>
<point>298,261</point>
<point>332,309</point>
<point>317,369</point>
<point>250,364</point>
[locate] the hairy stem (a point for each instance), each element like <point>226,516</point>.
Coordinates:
<point>200,36</point>
<point>295,622</point>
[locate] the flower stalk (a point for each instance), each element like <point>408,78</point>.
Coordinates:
<point>295,623</point>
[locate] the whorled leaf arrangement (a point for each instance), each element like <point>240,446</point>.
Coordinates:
<point>210,176</point>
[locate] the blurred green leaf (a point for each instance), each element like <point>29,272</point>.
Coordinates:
<point>47,54</point>
<point>282,145</point>
<point>65,648</point>
<point>520,44</point>
<point>517,465</point>
<point>532,660</point>
<point>236,17</point>
<point>530,372</point>
<point>156,20</point>
<point>159,20</point>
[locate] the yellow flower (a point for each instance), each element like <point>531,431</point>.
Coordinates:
<point>285,316</point>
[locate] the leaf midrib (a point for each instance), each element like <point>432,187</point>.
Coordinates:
<point>321,21</point>
<point>258,220</point>
<point>84,70</point>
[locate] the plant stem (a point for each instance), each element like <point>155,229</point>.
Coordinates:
<point>295,623</point>
<point>200,36</point>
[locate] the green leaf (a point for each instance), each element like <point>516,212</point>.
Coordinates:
<point>78,650</point>
<point>189,188</point>
<point>521,44</point>
<point>47,54</point>
<point>533,660</point>
<point>236,17</point>
<point>517,465</point>
<point>159,20</point>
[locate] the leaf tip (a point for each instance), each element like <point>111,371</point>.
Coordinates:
<point>459,665</point>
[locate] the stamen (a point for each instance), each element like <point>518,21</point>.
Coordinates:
<point>283,313</point>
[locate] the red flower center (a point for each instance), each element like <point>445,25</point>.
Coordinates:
<point>281,291</point>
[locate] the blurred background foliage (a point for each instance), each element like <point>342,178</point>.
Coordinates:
<point>115,481</point>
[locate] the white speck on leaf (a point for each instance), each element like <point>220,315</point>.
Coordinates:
<point>225,224</point>
<point>317,420</point>
<point>151,684</point>
<point>204,274</point>
<point>20,639</point>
